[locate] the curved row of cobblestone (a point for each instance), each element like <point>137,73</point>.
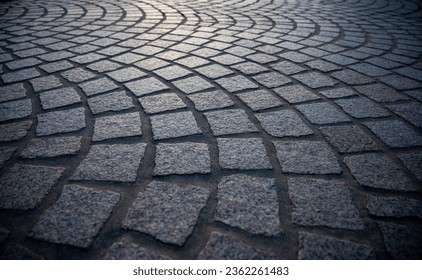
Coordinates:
<point>210,129</point>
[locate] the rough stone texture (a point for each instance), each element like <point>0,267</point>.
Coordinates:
<point>126,74</point>
<point>320,247</point>
<point>52,147</point>
<point>322,113</point>
<point>413,162</point>
<point>315,80</point>
<point>163,205</point>
<point>229,122</point>
<point>338,92</point>
<point>15,109</point>
<point>5,154</point>
<point>12,92</point>
<point>14,131</point>
<point>272,79</point>
<point>77,75</point>
<point>412,112</point>
<point>380,93</point>
<point>45,83</point>
<point>117,126</point>
<point>306,157</point>
<point>210,100</point>
<point>402,242</point>
<point>61,121</point>
<point>296,94</point>
<point>226,247</point>
<point>59,98</point>
<point>192,84</point>
<point>378,171</point>
<point>20,75</point>
<point>76,217</point>
<point>394,206</point>
<point>145,86</point>
<point>161,103</point>
<point>182,158</point>
<point>117,162</point>
<point>249,203</point>
<point>283,123</point>
<point>236,83</point>
<point>395,133</point>
<point>245,154</point>
<point>259,99</point>
<point>362,108</point>
<point>319,202</point>
<point>24,186</point>
<point>214,71</point>
<point>174,125</point>
<point>125,249</point>
<point>348,139</point>
<point>97,86</point>
<point>114,101</point>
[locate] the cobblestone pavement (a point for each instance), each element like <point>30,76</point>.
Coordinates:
<point>211,129</point>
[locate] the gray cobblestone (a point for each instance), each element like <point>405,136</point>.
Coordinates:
<point>412,112</point>
<point>20,75</point>
<point>77,75</point>
<point>161,103</point>
<point>283,123</point>
<point>174,125</point>
<point>361,107</point>
<point>12,92</point>
<point>259,100</point>
<point>5,154</point>
<point>192,84</point>
<point>15,109</point>
<point>210,100</point>
<point>214,71</point>
<point>380,93</point>
<point>59,98</point>
<point>296,94</point>
<point>14,131</point>
<point>229,122</point>
<point>236,83</point>
<point>315,80</point>
<point>97,86</point>
<point>413,162</point>
<point>400,240</point>
<point>52,147</point>
<point>348,139</point>
<point>125,249</point>
<point>394,206</point>
<point>322,113</point>
<point>145,86</point>
<point>338,92</point>
<point>61,121</point>
<point>126,74</point>
<point>395,133</point>
<point>117,126</point>
<point>114,101</point>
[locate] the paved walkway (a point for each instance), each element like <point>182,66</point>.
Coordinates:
<point>211,129</point>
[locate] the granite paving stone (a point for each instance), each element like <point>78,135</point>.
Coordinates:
<point>5,154</point>
<point>318,202</point>
<point>163,205</point>
<point>413,162</point>
<point>23,63</point>
<point>182,158</point>
<point>283,123</point>
<point>114,101</point>
<point>249,203</point>
<point>209,100</point>
<point>126,74</point>
<point>320,247</point>
<point>172,72</point>
<point>192,84</point>
<point>296,94</point>
<point>226,247</point>
<point>117,126</point>
<point>59,98</point>
<point>13,110</point>
<point>412,112</point>
<point>322,113</point>
<point>287,68</point>
<point>236,83</point>
<point>395,133</point>
<point>104,66</point>
<point>45,83</point>
<point>125,249</point>
<point>306,157</point>
<point>145,86</point>
<point>14,131</point>
<point>351,77</point>
<point>97,86</point>
<point>399,82</point>
<point>174,125</point>
<point>77,75</point>
<point>25,186</point>
<point>259,100</point>
<point>76,217</point>
<point>214,71</point>
<point>361,107</point>
<point>61,121</point>
<point>115,162</point>
<point>20,75</point>
<point>338,92</point>
<point>394,206</point>
<point>56,66</point>
<point>315,79</point>
<point>378,171</point>
<point>381,93</point>
<point>348,138</point>
<point>52,147</point>
<point>12,92</point>
<point>232,121</point>
<point>272,79</point>
<point>249,68</point>
<point>161,103</point>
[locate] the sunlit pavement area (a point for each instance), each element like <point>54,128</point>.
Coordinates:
<point>211,129</point>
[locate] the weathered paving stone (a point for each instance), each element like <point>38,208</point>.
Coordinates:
<point>412,112</point>
<point>361,107</point>
<point>249,68</point>
<point>287,68</point>
<point>249,203</point>
<point>12,92</point>
<point>229,122</point>
<point>126,74</point>
<point>320,247</point>
<point>413,162</point>
<point>151,63</point>
<point>381,93</point>
<point>338,92</point>
<point>52,147</point>
<point>322,65</point>
<point>322,113</point>
<point>210,100</point>
<point>56,66</point>
<point>116,162</point>
<point>272,79</point>
<point>236,83</point>
<point>114,101</point>
<point>24,186</point>
<point>351,77</point>
<point>20,75</point>
<point>319,202</point>
<point>245,154</point>
<point>214,71</point>
<point>23,63</point>
<point>315,80</point>
<point>97,86</point>
<point>402,242</point>
<point>378,171</point>
<point>226,247</point>
<point>77,75</point>
<point>125,249</point>
<point>396,207</point>
<point>59,98</point>
<point>395,133</point>
<point>182,158</point>
<point>117,126</point>
<point>283,123</point>
<point>172,72</point>
<point>145,86</point>
<point>5,154</point>
<point>306,157</point>
<point>348,139</point>
<point>76,217</point>
<point>192,84</point>
<point>296,94</point>
<point>4,233</point>
<point>166,211</point>
<point>14,131</point>
<point>399,82</point>
<point>15,109</point>
<point>161,103</point>
<point>192,61</point>
<point>61,121</point>
<point>174,125</point>
<point>259,100</point>
<point>104,66</point>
